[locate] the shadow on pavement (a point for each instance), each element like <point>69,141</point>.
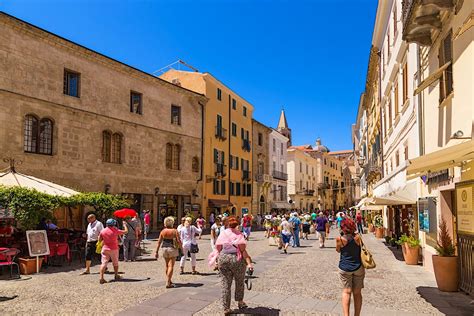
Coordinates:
<point>7,298</point>
<point>178,285</point>
<point>130,280</point>
<point>448,303</point>
<point>257,311</point>
<point>206,273</point>
<point>397,253</point>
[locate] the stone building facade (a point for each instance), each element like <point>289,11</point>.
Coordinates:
<point>81,119</point>
<point>262,179</point>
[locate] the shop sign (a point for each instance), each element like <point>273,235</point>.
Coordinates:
<point>465,211</point>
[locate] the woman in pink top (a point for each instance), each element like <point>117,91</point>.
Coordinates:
<point>232,260</point>
<point>200,224</point>
<point>110,248</point>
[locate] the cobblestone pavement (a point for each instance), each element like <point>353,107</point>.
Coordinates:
<point>304,282</point>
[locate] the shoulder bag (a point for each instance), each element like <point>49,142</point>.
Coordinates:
<point>366,256</point>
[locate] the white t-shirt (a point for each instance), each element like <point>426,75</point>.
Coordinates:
<point>286,227</point>
<point>216,230</point>
<point>188,235</point>
<point>93,230</point>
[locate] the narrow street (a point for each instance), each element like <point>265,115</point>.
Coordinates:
<point>305,282</point>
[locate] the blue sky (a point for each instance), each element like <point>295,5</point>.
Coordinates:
<point>309,57</point>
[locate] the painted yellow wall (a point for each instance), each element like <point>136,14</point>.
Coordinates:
<point>206,84</point>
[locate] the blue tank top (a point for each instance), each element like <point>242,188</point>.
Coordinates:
<point>350,256</point>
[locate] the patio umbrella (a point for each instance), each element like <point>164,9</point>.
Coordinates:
<point>125,212</point>
<point>12,178</point>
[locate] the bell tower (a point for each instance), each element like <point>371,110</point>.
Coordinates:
<point>283,127</point>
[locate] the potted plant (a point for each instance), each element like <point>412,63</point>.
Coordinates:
<point>445,263</point>
<point>378,223</point>
<point>371,228</point>
<point>28,264</point>
<point>410,248</point>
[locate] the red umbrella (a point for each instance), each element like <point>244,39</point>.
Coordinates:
<point>125,212</point>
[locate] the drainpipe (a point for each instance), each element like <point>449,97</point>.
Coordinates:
<point>202,142</point>
<point>421,133</point>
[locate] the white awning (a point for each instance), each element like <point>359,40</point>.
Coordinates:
<point>442,159</point>
<point>405,195</point>
<point>372,207</point>
<point>11,179</point>
<point>431,78</point>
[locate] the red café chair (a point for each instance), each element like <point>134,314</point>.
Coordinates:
<point>7,258</point>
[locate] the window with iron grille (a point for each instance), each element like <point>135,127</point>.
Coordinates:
<point>116,151</point>
<point>175,115</point>
<point>169,156</point>
<point>38,135</point>
<point>195,164</point>
<point>136,102</point>
<point>176,156</point>
<point>106,146</point>
<point>72,83</point>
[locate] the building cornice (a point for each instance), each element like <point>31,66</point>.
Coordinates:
<point>89,54</point>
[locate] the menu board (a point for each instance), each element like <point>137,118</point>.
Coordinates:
<point>465,211</point>
<point>37,243</point>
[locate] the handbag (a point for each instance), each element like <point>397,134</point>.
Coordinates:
<point>98,247</point>
<point>194,248</point>
<point>366,256</point>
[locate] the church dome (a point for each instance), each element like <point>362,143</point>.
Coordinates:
<point>319,147</point>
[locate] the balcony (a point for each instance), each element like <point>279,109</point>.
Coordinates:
<point>422,18</point>
<point>264,178</point>
<point>221,133</point>
<point>280,175</point>
<point>245,175</point>
<point>220,169</point>
<point>246,145</point>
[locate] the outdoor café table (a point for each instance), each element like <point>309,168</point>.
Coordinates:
<point>58,249</point>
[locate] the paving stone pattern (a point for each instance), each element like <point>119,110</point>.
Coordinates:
<point>304,282</point>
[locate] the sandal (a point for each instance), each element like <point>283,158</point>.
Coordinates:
<point>170,286</point>
<point>194,273</point>
<point>102,281</point>
<point>85,273</point>
<point>242,305</point>
<point>181,272</point>
<point>227,311</point>
<point>118,277</point>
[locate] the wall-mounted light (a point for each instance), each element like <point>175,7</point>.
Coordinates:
<point>107,188</point>
<point>157,191</point>
<point>459,135</point>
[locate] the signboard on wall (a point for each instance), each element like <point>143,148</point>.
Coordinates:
<point>465,210</point>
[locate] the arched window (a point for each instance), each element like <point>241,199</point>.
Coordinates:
<point>31,134</point>
<point>116,156</point>
<point>169,156</point>
<point>176,156</point>
<point>38,135</point>
<point>106,143</point>
<point>195,164</point>
<point>112,147</point>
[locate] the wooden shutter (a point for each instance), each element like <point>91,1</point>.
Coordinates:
<point>216,156</point>
<point>223,187</point>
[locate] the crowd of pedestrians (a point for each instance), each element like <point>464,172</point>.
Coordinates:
<point>229,237</point>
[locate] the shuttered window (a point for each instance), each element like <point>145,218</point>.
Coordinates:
<point>445,56</point>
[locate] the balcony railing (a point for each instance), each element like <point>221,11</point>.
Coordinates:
<point>280,175</point>
<point>245,175</point>
<point>220,169</point>
<point>221,133</point>
<point>246,144</point>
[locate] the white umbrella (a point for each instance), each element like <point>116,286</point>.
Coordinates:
<point>12,178</point>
